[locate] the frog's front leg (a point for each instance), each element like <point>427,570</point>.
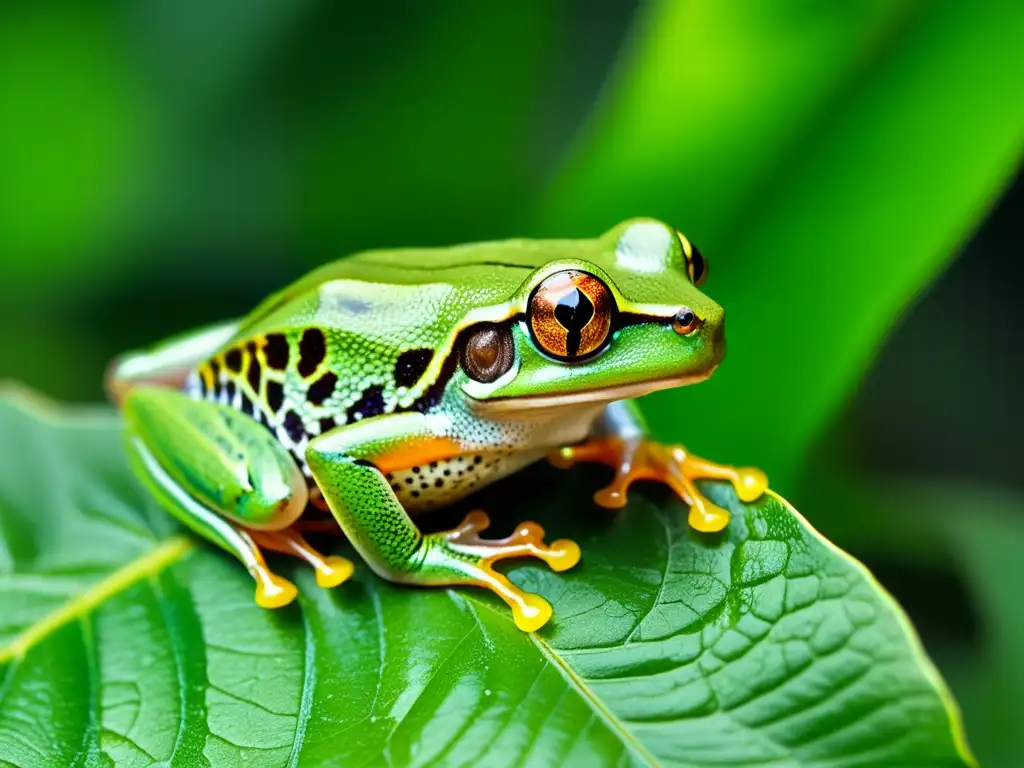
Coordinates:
<point>227,478</point>
<point>350,463</point>
<point>621,442</point>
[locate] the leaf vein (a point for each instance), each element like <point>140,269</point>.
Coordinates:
<point>152,562</point>
<point>308,686</point>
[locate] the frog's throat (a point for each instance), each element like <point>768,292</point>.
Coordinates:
<point>509,405</point>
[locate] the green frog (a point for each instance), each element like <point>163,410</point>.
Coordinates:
<point>394,382</point>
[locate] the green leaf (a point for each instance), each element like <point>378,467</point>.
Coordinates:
<point>828,158</point>
<point>122,640</point>
<point>975,531</point>
<point>988,527</point>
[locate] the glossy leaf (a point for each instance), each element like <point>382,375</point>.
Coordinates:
<point>828,158</point>
<point>987,525</point>
<point>123,640</point>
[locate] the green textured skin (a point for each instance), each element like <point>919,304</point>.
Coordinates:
<point>367,511</point>
<point>368,313</point>
<point>224,459</point>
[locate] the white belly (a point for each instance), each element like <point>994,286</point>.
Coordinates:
<point>440,483</point>
<point>443,482</point>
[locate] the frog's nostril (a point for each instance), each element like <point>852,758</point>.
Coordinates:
<point>686,321</point>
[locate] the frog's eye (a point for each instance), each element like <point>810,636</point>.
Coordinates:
<point>696,265</point>
<point>570,314</point>
<point>488,352</point>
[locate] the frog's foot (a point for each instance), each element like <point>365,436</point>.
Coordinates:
<point>460,556</point>
<point>331,570</point>
<point>642,459</point>
<point>272,591</point>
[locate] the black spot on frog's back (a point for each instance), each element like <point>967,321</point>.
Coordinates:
<point>275,352</point>
<point>254,375</point>
<point>275,396</point>
<point>233,360</point>
<point>312,351</point>
<point>322,388</point>
<point>371,403</point>
<point>293,426</point>
<point>411,366</point>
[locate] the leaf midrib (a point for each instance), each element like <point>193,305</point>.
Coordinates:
<point>580,686</point>
<point>142,567</point>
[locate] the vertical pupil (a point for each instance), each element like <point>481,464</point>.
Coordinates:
<point>573,311</point>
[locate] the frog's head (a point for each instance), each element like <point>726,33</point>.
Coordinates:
<point>604,319</point>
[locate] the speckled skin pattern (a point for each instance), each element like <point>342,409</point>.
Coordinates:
<point>357,373</point>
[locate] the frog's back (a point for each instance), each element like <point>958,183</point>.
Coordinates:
<point>476,274</point>
<point>366,335</point>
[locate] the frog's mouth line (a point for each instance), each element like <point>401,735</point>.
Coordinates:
<point>602,395</point>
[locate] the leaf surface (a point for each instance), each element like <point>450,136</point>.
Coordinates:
<point>124,641</point>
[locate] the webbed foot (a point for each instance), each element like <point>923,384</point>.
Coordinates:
<point>331,570</point>
<point>643,459</point>
<point>460,556</point>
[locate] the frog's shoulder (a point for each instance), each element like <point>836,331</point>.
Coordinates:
<point>395,289</point>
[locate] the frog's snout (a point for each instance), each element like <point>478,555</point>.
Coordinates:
<point>705,324</point>
<point>688,320</point>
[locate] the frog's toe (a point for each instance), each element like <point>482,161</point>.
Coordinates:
<point>333,570</point>
<point>563,458</point>
<point>613,496</point>
<point>272,591</point>
<point>706,516</point>
<point>750,483</point>
<point>461,551</point>
<point>602,451</point>
<point>565,553</point>
<point>531,613</point>
<point>526,541</point>
<point>643,459</point>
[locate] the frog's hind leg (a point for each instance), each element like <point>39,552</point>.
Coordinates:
<point>272,591</point>
<point>221,473</point>
<point>167,364</point>
<point>350,465</point>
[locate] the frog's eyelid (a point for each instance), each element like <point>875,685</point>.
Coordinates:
<point>684,244</point>
<point>696,264</point>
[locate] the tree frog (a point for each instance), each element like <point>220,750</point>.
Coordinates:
<point>389,383</point>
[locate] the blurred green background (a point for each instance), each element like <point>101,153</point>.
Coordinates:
<point>848,168</point>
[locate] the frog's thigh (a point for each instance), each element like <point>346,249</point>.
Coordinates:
<point>168,363</point>
<point>217,471</point>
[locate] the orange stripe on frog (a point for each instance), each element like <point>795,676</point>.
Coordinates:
<point>417,452</point>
